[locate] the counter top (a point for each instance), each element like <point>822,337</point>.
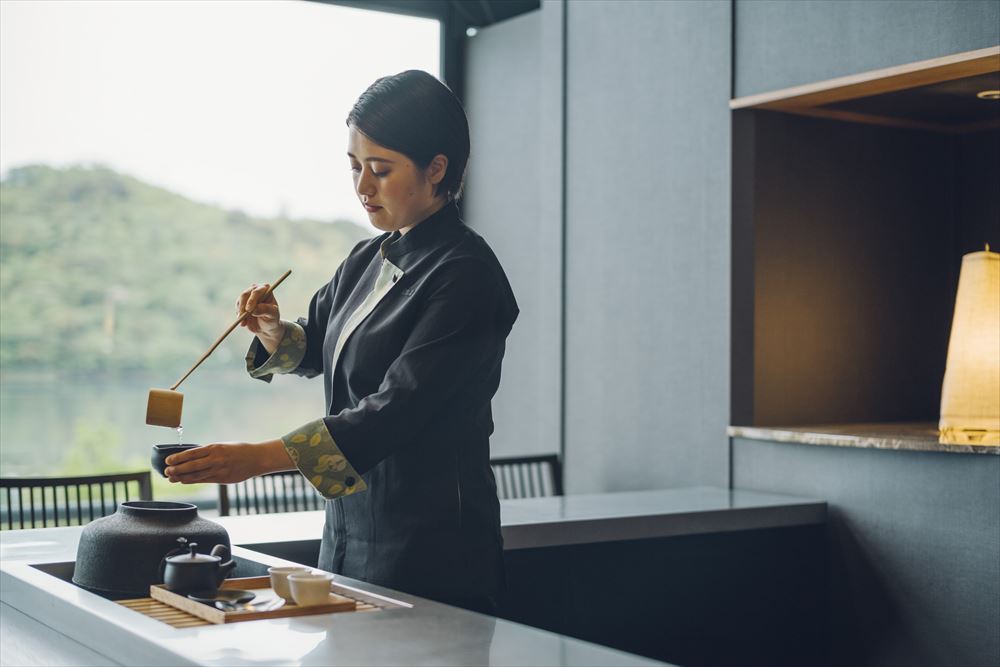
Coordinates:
<point>630,515</point>
<point>912,436</point>
<point>41,612</point>
<point>46,620</point>
<point>587,518</point>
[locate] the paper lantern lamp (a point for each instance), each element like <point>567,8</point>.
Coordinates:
<point>970,394</point>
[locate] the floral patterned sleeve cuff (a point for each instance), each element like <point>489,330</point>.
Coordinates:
<point>320,460</point>
<point>285,359</point>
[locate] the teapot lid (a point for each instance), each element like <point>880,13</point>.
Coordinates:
<point>192,557</point>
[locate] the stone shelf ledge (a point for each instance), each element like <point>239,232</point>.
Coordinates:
<point>911,436</point>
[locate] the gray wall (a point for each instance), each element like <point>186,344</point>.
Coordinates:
<point>647,233</point>
<point>782,43</point>
<point>647,245</point>
<point>914,537</point>
<point>646,239</point>
<point>513,185</point>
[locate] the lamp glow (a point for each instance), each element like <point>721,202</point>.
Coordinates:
<point>970,393</point>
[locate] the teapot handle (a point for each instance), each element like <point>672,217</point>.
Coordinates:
<point>163,561</point>
<point>222,551</point>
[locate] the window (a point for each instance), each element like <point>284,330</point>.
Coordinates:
<point>157,158</point>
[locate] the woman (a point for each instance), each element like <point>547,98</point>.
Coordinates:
<point>409,336</point>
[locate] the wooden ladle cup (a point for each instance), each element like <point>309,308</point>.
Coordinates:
<point>164,406</point>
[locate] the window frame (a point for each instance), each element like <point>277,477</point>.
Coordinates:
<point>455,18</point>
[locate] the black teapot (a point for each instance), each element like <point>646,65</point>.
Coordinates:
<point>185,571</point>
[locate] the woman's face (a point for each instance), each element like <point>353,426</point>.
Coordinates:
<point>395,192</point>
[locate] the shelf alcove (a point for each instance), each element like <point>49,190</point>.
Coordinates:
<point>853,203</point>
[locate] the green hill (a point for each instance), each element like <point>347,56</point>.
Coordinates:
<point>102,272</point>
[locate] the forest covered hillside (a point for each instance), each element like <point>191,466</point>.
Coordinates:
<point>100,271</point>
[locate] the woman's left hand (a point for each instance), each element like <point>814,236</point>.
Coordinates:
<point>226,462</point>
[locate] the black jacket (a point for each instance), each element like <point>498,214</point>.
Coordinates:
<point>409,407</point>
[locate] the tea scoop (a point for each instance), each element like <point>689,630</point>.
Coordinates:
<point>164,406</point>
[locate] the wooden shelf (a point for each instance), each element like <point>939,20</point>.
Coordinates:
<point>937,94</point>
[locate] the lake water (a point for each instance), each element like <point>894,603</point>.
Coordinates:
<point>51,426</point>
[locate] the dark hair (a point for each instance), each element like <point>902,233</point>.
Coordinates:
<point>415,114</point>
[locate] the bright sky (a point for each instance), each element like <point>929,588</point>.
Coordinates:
<point>239,103</point>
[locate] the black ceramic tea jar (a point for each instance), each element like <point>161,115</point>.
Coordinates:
<point>119,555</point>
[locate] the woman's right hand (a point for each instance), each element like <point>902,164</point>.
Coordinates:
<point>265,317</point>
<point>227,462</point>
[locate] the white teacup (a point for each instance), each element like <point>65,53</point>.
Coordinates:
<point>310,588</point>
<point>279,579</point>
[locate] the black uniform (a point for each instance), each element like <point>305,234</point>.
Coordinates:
<point>409,407</point>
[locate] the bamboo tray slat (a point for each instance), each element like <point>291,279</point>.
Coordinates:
<point>163,612</point>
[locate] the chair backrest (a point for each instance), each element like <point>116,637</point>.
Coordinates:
<point>40,502</point>
<point>275,492</point>
<point>528,476</point>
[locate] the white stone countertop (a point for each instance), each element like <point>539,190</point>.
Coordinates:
<point>45,620</point>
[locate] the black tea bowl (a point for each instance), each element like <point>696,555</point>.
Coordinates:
<point>160,453</point>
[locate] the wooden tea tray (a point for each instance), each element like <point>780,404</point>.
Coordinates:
<point>336,603</point>
<point>178,618</point>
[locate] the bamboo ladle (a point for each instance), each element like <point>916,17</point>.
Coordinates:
<point>164,406</point>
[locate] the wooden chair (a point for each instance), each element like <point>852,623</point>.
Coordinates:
<point>275,492</point>
<point>34,502</point>
<point>528,476</point>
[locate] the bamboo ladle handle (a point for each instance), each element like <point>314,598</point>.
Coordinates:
<point>229,331</point>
